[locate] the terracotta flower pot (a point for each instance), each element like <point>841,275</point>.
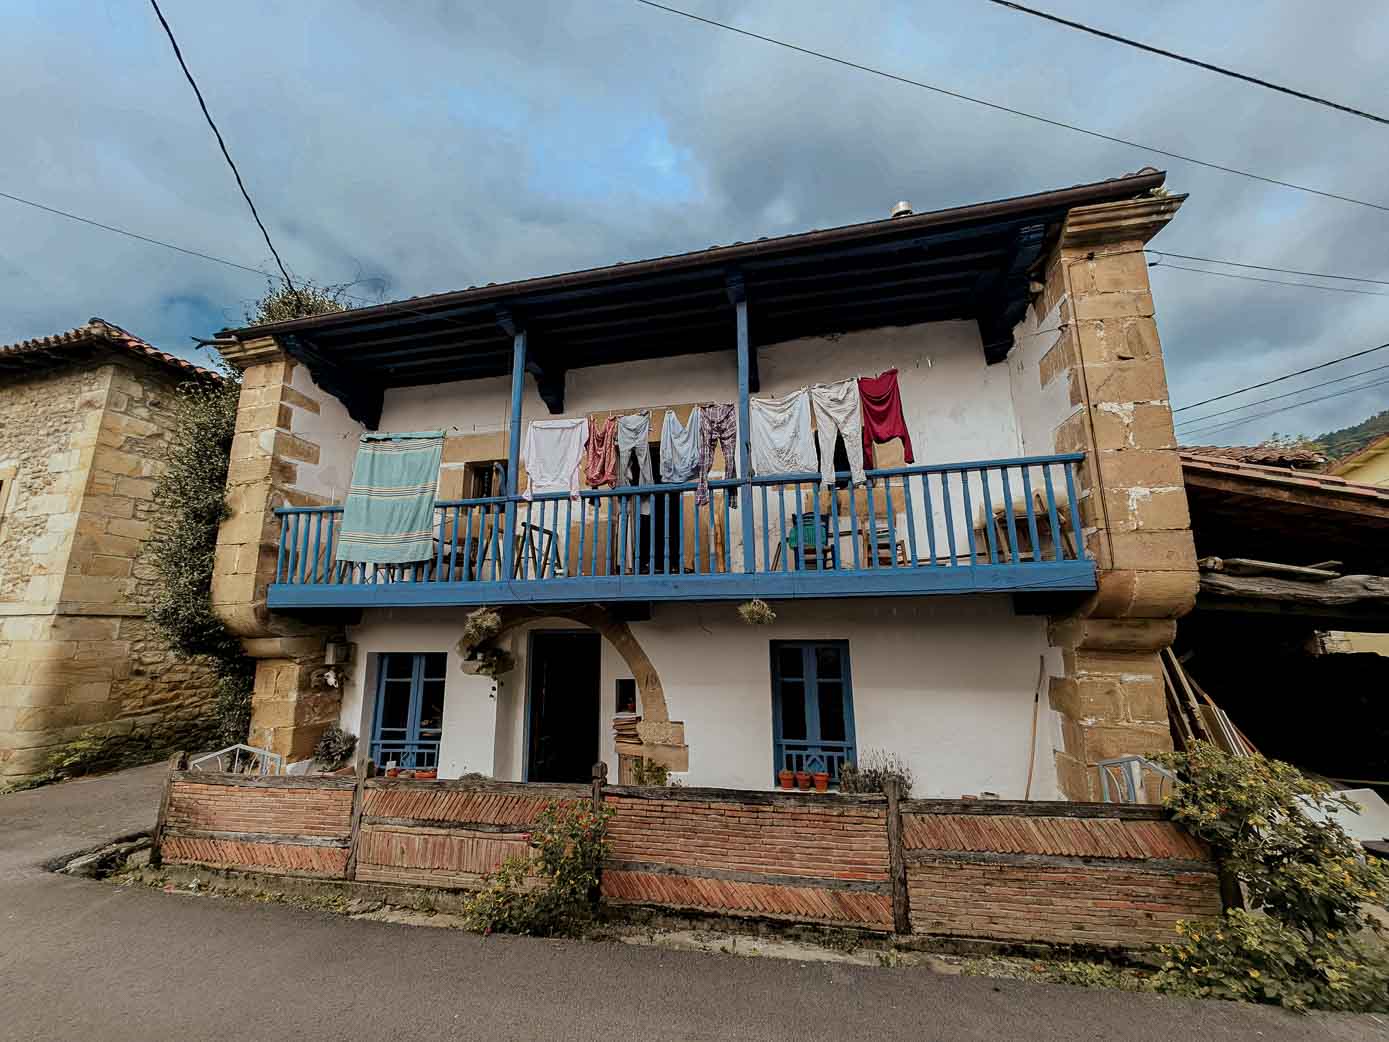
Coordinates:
<point>803,780</point>
<point>786,778</point>
<point>822,781</point>
<point>426,775</point>
<point>392,772</point>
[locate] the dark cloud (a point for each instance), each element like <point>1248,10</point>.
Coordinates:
<point>427,146</point>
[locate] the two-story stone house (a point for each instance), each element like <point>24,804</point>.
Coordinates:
<point>85,420</point>
<point>988,602</point>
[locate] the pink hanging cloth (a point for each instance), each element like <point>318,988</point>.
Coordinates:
<point>881,400</point>
<point>600,461</point>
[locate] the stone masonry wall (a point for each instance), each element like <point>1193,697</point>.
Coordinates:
<point>77,657</point>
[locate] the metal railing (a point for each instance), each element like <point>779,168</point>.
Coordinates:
<point>957,515</point>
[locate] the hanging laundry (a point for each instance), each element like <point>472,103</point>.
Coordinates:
<point>600,461</point>
<point>881,399</point>
<point>679,447</point>
<point>837,413</point>
<point>634,439</point>
<point>718,424</point>
<point>388,517</point>
<point>779,430</point>
<point>552,454</point>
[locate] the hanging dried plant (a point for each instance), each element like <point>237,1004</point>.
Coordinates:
<point>483,624</point>
<point>757,612</point>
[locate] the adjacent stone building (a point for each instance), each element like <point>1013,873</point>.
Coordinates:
<point>85,421</point>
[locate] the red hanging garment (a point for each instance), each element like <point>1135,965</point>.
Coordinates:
<point>600,461</point>
<point>881,399</point>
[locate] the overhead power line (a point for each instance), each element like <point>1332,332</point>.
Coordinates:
<point>1265,267</point>
<point>134,235</point>
<point>225,154</point>
<point>1191,61</point>
<point>1232,424</point>
<point>1011,111</point>
<point>1280,379</point>
<point>1163,266</point>
<point>1201,420</point>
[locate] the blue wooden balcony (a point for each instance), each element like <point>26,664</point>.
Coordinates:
<point>1000,526</point>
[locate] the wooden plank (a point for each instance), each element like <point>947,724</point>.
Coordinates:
<point>1250,567</point>
<point>1156,866</point>
<point>897,865</point>
<point>354,831</point>
<point>278,839</point>
<point>268,781</point>
<point>1037,809</point>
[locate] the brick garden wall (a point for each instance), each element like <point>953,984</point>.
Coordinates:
<point>1093,874</point>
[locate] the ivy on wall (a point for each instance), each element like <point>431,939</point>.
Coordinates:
<point>190,504</point>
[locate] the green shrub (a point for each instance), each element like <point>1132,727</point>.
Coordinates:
<point>1251,957</point>
<point>650,772</point>
<point>1309,942</point>
<point>551,891</point>
<point>335,748</point>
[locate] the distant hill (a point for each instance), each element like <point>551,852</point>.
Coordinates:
<point>1341,443</point>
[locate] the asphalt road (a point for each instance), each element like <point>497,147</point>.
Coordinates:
<point>87,960</point>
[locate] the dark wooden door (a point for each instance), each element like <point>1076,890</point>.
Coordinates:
<point>564,706</point>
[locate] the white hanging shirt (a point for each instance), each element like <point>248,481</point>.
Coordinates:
<point>779,432</point>
<point>552,454</point>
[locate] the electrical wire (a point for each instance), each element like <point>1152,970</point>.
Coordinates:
<point>1280,379</point>
<point>1190,61</point>
<point>1011,111</point>
<point>225,154</point>
<point>1231,424</point>
<point>1265,267</point>
<point>135,235</point>
<point>1163,266</point>
<point>1197,421</point>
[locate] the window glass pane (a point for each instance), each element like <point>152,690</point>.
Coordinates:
<point>793,710</point>
<point>831,696</point>
<point>435,665</point>
<point>395,707</point>
<point>399,667</point>
<point>788,660</point>
<point>432,705</point>
<point>828,663</point>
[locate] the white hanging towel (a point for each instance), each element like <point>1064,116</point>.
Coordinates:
<point>552,454</point>
<point>779,430</point>
<point>837,412</point>
<point>680,447</point>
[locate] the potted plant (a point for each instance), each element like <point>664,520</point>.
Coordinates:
<point>787,779</point>
<point>428,775</point>
<point>803,780</point>
<point>821,780</point>
<point>392,769</point>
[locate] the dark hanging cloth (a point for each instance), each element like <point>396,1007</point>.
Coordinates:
<point>882,414</point>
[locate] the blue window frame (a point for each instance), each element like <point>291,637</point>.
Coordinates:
<point>812,706</point>
<point>409,719</point>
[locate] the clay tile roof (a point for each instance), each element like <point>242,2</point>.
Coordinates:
<point>97,332</point>
<point>1263,455</point>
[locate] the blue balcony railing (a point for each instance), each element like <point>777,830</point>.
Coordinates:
<point>993,525</point>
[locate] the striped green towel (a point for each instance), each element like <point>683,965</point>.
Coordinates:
<point>389,514</point>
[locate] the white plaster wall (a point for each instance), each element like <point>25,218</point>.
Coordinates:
<point>470,702</point>
<point>956,406</point>
<point>1039,408</point>
<point>947,683</point>
<point>334,432</point>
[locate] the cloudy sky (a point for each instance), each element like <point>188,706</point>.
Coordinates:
<point>417,147</point>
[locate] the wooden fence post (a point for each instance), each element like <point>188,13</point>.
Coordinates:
<point>600,778</point>
<point>896,860</point>
<point>363,772</point>
<point>177,762</point>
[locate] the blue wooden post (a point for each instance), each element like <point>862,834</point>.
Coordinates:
<point>513,459</point>
<point>740,303</point>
